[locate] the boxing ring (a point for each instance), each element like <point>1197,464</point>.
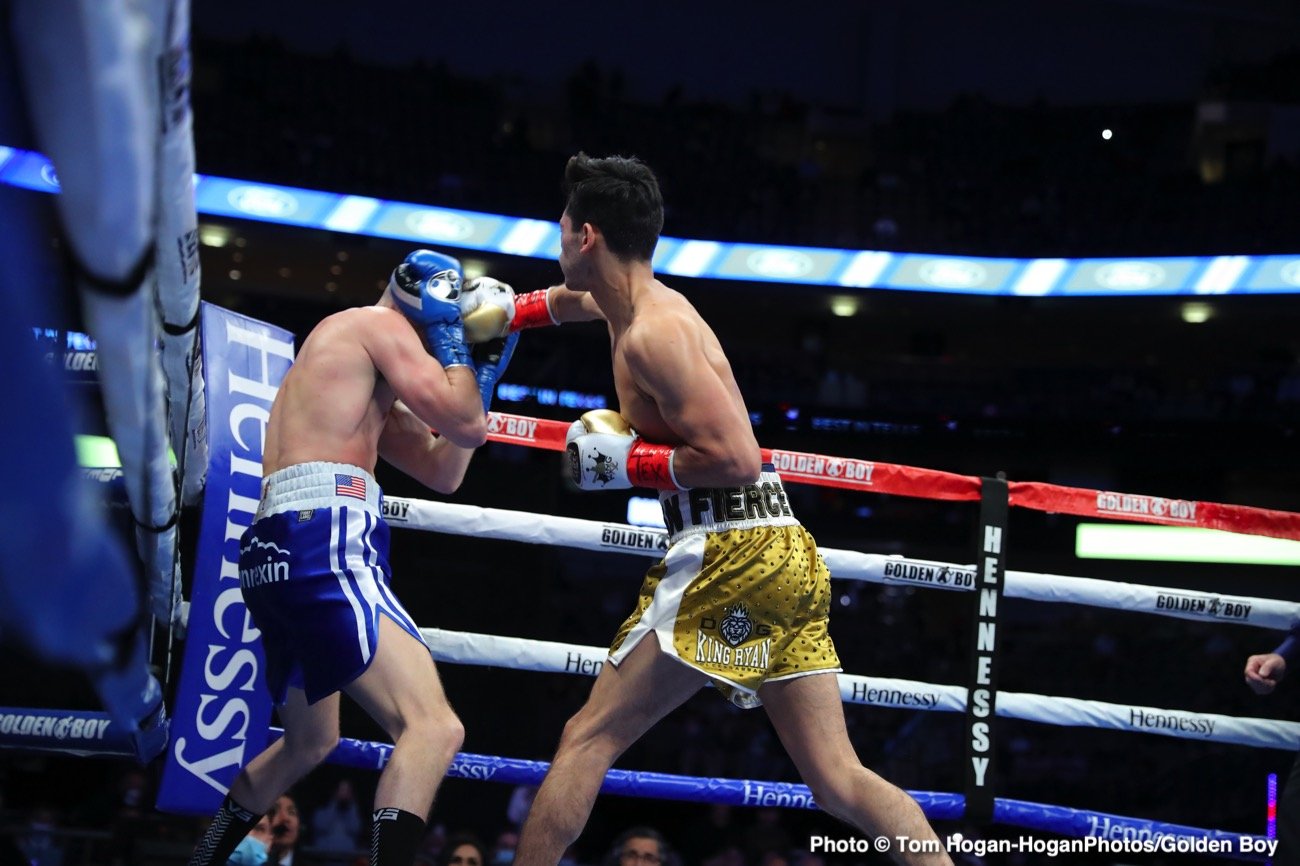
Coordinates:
<point>220,710</point>
<point>221,707</point>
<point>221,714</point>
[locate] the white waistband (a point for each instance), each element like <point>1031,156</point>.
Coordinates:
<point>717,509</point>
<point>318,485</point>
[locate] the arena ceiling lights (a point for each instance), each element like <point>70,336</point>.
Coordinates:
<point>835,268</point>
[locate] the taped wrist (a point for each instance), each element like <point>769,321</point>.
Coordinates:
<point>533,310</point>
<point>652,466</point>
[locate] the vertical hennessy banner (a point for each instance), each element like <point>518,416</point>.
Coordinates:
<point>981,701</point>
<point>222,707</point>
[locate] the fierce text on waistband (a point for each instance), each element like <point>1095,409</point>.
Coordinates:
<point>716,508</point>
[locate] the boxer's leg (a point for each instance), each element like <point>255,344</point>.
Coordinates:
<point>310,732</point>
<point>625,701</point>
<point>808,715</point>
<point>401,691</point>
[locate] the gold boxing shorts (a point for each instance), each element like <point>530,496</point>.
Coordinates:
<point>742,594</point>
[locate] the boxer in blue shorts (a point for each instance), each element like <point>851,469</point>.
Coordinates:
<point>367,382</point>
<point>314,571</point>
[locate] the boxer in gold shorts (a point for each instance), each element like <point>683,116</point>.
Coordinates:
<point>741,597</point>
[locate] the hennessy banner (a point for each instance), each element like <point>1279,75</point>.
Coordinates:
<point>222,706</point>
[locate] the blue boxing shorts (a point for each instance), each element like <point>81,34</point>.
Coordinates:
<point>314,572</point>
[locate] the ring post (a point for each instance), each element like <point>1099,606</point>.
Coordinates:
<point>981,702</point>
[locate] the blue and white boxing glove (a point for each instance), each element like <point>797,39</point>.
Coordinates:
<point>487,306</point>
<point>605,453</point>
<point>492,359</point>
<point>427,288</point>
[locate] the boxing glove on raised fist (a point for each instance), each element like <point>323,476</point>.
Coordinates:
<point>605,453</point>
<point>487,306</point>
<point>427,287</point>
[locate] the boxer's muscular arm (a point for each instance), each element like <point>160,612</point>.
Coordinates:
<point>718,448</point>
<point>447,400</point>
<point>434,461</point>
<point>570,306</point>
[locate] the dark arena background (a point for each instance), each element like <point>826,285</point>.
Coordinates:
<point>964,146</point>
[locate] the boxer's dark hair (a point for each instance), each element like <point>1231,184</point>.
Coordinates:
<point>620,196</point>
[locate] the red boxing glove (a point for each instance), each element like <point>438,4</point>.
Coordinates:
<point>532,310</point>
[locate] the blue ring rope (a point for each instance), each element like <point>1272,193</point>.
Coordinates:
<point>84,733</point>
<point>938,806</point>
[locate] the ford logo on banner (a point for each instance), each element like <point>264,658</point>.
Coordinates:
<point>439,225</point>
<point>262,201</point>
<point>1130,275</point>
<point>222,706</point>
<point>779,263</point>
<point>953,273</point>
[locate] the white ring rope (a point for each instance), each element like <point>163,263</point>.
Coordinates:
<point>550,657</point>
<point>506,525</point>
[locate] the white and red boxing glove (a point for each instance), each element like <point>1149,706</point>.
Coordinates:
<point>605,453</point>
<point>533,310</point>
<point>487,307</point>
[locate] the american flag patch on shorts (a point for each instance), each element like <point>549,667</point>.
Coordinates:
<point>350,485</point>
